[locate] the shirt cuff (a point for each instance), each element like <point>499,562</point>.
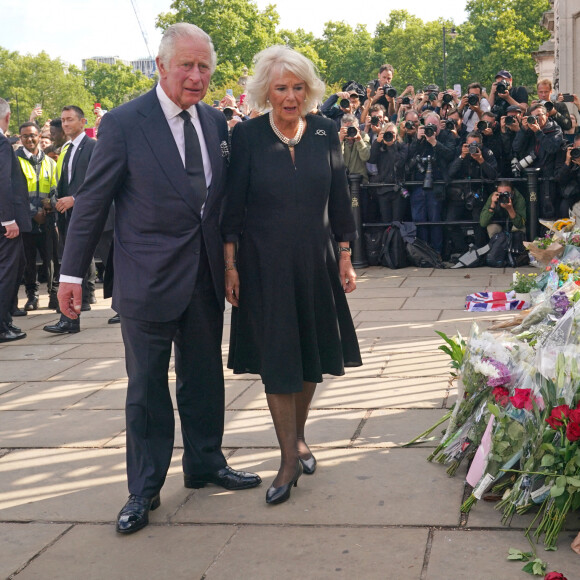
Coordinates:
<point>9,223</point>
<point>70,279</point>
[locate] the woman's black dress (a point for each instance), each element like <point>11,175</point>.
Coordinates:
<point>293,322</point>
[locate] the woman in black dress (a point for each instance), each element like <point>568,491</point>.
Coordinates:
<point>287,193</point>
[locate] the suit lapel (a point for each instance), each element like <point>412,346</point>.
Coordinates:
<point>162,144</point>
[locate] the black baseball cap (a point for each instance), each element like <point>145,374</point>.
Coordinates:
<point>504,74</point>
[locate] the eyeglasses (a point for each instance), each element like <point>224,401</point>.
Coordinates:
<point>29,136</point>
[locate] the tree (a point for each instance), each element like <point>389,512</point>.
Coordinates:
<point>239,30</point>
<point>304,43</point>
<point>114,84</point>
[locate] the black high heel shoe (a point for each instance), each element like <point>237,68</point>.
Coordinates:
<point>308,465</point>
<point>281,494</point>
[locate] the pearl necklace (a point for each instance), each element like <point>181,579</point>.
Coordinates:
<point>290,142</point>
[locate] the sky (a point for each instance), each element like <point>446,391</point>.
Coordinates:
<point>77,29</point>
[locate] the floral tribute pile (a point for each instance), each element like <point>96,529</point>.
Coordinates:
<point>516,423</point>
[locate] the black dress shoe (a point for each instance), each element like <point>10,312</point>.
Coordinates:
<point>226,477</point>
<point>10,335</point>
<point>31,303</point>
<point>135,513</point>
<point>64,326</point>
<point>115,319</point>
<point>308,465</point>
<point>20,312</point>
<point>85,307</point>
<point>281,494</point>
<point>13,328</point>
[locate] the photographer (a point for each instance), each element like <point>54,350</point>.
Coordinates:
<point>408,127</point>
<point>537,145</point>
<point>405,102</point>
<point>452,129</point>
<point>390,155</point>
<point>472,106</point>
<point>428,160</point>
<point>503,94</point>
<point>510,125</point>
<point>557,111</point>
<point>378,90</point>
<point>505,204</point>
<point>464,201</point>
<point>567,174</point>
<point>429,100</point>
<point>340,104</point>
<point>491,137</point>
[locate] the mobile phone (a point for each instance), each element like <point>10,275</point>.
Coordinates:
<point>216,103</point>
<point>457,89</point>
<point>230,92</point>
<point>97,106</point>
<point>568,98</point>
<point>39,105</point>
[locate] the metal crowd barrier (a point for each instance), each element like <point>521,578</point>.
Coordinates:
<point>359,259</point>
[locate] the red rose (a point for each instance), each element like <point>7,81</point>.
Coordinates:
<point>501,395</point>
<point>522,399</point>
<point>573,431</point>
<point>574,416</point>
<point>555,576</point>
<point>557,416</point>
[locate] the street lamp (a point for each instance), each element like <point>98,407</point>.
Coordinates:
<point>452,34</point>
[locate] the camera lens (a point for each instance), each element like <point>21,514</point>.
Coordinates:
<point>388,137</point>
<point>548,105</point>
<point>392,93</point>
<point>473,149</point>
<point>432,96</point>
<point>482,125</point>
<point>501,88</point>
<point>228,113</point>
<point>409,125</point>
<point>406,101</point>
<point>510,120</point>
<point>532,119</point>
<point>351,132</point>
<point>344,104</point>
<point>472,100</point>
<point>575,153</point>
<point>447,98</point>
<point>450,124</point>
<point>429,130</point>
<point>375,121</point>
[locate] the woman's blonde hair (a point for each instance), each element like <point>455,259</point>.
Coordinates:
<point>277,60</point>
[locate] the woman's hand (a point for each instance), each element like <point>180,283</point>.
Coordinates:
<point>233,287</point>
<point>347,274</point>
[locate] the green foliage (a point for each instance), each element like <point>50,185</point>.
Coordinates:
<point>455,348</point>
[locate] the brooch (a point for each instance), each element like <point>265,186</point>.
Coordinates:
<point>224,149</point>
<point>320,132</point>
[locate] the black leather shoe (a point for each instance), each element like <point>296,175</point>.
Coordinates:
<point>53,303</point>
<point>281,494</point>
<point>13,328</point>
<point>226,477</point>
<point>115,319</point>
<point>31,303</point>
<point>10,335</point>
<point>308,465</point>
<point>64,326</point>
<point>135,513</point>
<point>20,312</point>
<point>85,307</point>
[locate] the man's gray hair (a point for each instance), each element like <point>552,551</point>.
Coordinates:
<point>348,118</point>
<point>4,108</point>
<point>184,30</point>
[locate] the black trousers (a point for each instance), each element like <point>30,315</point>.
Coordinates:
<point>197,336</point>
<point>11,270</point>
<point>43,243</point>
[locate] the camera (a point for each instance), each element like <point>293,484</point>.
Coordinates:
<point>473,148</point>
<point>482,126</point>
<point>406,101</point>
<point>472,100</point>
<point>375,121</point>
<point>404,193</point>
<point>501,88</point>
<point>344,104</point>
<point>430,130</point>
<point>447,98</point>
<point>568,98</point>
<point>389,91</point>
<point>351,132</point>
<point>575,153</point>
<point>548,105</point>
<point>509,120</point>
<point>450,124</point>
<point>433,96</point>
<point>388,137</point>
<point>521,164</point>
<point>504,197</point>
<point>409,125</point>
<point>471,199</point>
<point>532,119</point>
<point>228,113</point>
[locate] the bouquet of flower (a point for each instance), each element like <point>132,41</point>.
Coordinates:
<point>523,283</point>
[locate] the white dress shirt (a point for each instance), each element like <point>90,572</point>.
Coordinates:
<point>8,223</point>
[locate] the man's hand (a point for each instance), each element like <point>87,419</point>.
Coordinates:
<point>65,203</point>
<point>342,134</point>
<point>509,207</point>
<point>70,297</point>
<point>343,95</point>
<point>12,231</point>
<point>40,217</point>
<point>478,156</point>
<point>35,113</point>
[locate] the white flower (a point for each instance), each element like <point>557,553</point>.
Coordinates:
<point>486,368</point>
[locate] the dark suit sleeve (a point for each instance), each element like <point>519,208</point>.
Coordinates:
<point>105,173</point>
<point>6,195</point>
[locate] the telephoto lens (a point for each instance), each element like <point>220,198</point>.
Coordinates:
<point>391,92</point>
<point>548,105</point>
<point>501,88</point>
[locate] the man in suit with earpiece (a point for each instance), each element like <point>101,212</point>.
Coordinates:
<point>162,158</point>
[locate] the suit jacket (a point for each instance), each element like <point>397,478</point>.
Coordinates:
<point>158,232</point>
<point>80,165</point>
<point>13,189</point>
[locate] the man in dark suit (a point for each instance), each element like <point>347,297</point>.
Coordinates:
<point>162,159</point>
<point>14,219</point>
<point>76,154</point>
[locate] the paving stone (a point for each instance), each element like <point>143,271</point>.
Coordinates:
<point>316,553</point>
<point>324,428</point>
<point>94,369</point>
<point>48,394</point>
<point>76,485</point>
<point>357,303</point>
<point>384,282</point>
<point>102,334</point>
<point>235,389</point>
<point>375,291</point>
<point>99,350</point>
<point>420,364</point>
<point>38,336</point>
<point>479,282</point>
<point>5,387</point>
<point>59,428</point>
<point>396,344</point>
<point>33,352</point>
<point>400,330</point>
<point>395,427</point>
<point>17,370</point>
<point>178,552</point>
<point>437,294</point>
<point>332,496</point>
<point>447,302</point>
<point>111,395</point>
<point>479,555</point>
<point>21,542</point>
<point>398,315</point>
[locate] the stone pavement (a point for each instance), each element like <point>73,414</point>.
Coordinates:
<point>373,510</point>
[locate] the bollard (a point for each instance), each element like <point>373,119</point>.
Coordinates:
<point>532,175</point>
<point>358,253</point>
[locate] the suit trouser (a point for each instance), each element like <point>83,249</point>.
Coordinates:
<point>197,335</point>
<point>11,269</point>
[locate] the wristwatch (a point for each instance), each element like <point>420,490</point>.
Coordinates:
<point>345,249</point>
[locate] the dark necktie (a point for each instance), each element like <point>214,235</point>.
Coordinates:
<point>194,161</point>
<point>64,174</point>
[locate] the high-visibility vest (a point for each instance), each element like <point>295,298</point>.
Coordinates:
<point>61,160</point>
<point>41,179</point>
